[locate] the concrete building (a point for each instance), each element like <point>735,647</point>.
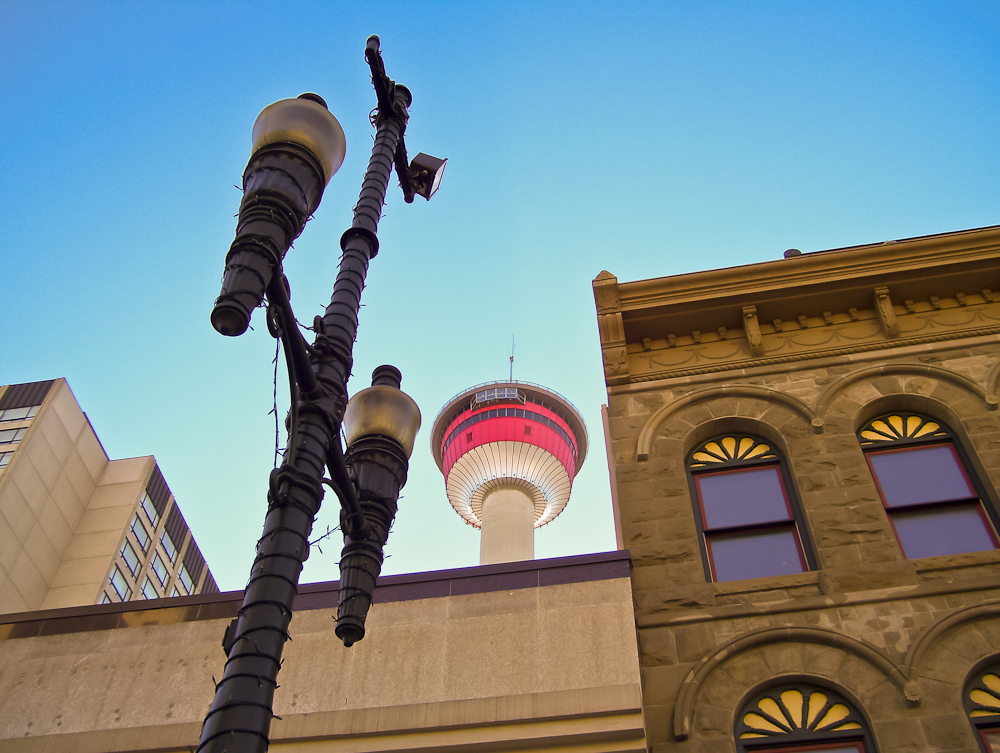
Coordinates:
<point>75,527</point>
<point>805,459</point>
<point>509,452</point>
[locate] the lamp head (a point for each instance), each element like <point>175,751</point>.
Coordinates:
<point>383,409</point>
<point>306,121</point>
<point>426,173</point>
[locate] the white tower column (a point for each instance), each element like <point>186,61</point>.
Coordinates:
<point>508,528</point>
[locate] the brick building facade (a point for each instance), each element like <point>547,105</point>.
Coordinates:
<point>805,459</point>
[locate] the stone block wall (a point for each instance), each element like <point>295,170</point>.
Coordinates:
<point>899,638</point>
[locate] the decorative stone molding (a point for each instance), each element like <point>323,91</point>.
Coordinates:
<point>881,344</point>
<point>901,369</point>
<point>883,306</point>
<point>932,634</point>
<point>684,708</point>
<point>648,430</point>
<point>611,328</point>
<point>752,329</point>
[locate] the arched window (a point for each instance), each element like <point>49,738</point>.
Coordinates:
<point>801,717</point>
<point>982,703</point>
<point>746,512</point>
<point>934,503</point>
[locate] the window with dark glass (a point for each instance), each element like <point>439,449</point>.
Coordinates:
<point>932,500</point>
<point>801,717</point>
<point>160,569</point>
<point>140,533</point>
<point>982,703</point>
<point>746,514</point>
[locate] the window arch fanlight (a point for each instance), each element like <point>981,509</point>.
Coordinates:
<point>746,512</point>
<point>982,704</point>
<point>933,501</point>
<point>801,716</point>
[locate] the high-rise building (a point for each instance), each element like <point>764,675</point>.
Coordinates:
<point>509,452</point>
<point>76,527</point>
<point>805,460</point>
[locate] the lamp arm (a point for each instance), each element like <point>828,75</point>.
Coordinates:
<point>355,523</point>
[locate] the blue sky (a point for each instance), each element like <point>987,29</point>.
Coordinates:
<point>643,138</point>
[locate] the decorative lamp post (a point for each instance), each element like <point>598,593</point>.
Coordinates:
<point>297,147</point>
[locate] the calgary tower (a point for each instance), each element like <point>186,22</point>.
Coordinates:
<point>509,452</point>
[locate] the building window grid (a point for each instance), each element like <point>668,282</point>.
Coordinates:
<point>973,527</point>
<point>746,455</point>
<point>5,458</point>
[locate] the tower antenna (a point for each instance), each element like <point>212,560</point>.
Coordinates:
<point>512,356</point>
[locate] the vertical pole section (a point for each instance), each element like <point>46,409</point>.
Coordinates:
<point>239,719</point>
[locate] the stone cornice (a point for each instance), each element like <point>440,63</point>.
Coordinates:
<point>880,260</point>
<point>861,332</point>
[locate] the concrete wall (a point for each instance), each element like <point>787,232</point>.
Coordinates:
<point>530,668</point>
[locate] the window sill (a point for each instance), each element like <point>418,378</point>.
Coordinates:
<point>770,583</point>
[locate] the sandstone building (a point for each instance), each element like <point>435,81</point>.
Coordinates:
<point>75,527</point>
<point>805,460</point>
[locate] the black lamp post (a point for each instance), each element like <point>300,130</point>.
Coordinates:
<point>298,145</point>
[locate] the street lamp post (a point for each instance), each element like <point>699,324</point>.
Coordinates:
<point>298,145</point>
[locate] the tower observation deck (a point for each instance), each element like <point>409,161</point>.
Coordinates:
<point>509,452</point>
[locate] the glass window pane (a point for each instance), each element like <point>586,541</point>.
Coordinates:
<point>148,590</point>
<point>131,558</point>
<point>168,547</point>
<point>141,535</point>
<point>160,569</point>
<point>120,585</point>
<point>992,739</point>
<point>755,554</point>
<point>742,497</point>
<point>920,475</point>
<point>841,748</point>
<point>150,509</point>
<point>951,530</point>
